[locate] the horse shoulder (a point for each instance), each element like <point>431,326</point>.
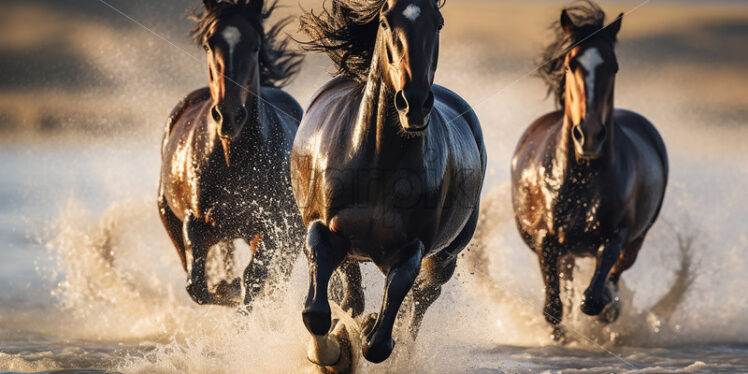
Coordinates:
<point>632,122</point>
<point>330,87</point>
<point>191,99</point>
<point>463,110</point>
<point>285,106</point>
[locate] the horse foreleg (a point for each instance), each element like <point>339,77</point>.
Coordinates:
<point>197,238</point>
<point>325,252</point>
<point>553,309</point>
<point>173,227</point>
<point>595,296</point>
<point>378,344</point>
<point>566,274</point>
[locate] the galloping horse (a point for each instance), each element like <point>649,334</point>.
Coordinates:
<point>225,153</point>
<point>588,180</point>
<point>386,167</point>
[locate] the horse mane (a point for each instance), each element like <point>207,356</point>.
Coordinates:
<point>278,63</point>
<point>347,33</point>
<point>589,19</point>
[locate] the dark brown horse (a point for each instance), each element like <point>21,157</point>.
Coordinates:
<point>225,153</point>
<point>384,167</point>
<point>587,180</point>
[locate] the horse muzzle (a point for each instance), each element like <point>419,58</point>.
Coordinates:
<point>588,145</point>
<point>229,122</point>
<point>414,118</point>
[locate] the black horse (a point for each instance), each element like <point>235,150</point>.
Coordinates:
<point>225,153</point>
<point>588,180</point>
<point>386,167</point>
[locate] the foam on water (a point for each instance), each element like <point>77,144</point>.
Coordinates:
<point>120,288</point>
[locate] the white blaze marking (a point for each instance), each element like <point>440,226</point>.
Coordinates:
<point>232,36</point>
<point>412,12</point>
<point>590,59</point>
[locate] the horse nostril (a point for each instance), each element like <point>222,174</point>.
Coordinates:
<point>429,103</point>
<point>401,104</point>
<point>577,133</point>
<point>601,134</point>
<point>216,114</point>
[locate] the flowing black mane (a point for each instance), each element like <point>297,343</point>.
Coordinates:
<point>347,32</point>
<point>278,63</point>
<point>588,19</point>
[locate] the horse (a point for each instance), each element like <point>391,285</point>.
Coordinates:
<point>387,167</point>
<point>226,149</point>
<point>588,179</point>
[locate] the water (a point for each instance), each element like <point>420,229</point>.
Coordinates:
<point>89,279</point>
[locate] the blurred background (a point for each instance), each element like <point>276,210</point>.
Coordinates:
<point>88,277</point>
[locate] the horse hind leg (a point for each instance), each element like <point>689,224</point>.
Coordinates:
<point>228,290</point>
<point>435,272</point>
<point>612,310</point>
<point>378,344</point>
<point>346,288</point>
<point>256,276</point>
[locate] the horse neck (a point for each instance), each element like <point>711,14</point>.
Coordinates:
<point>376,125</point>
<point>256,128</point>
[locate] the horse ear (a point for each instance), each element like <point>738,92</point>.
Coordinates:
<point>615,27</point>
<point>566,23</point>
<point>255,5</point>
<point>210,4</point>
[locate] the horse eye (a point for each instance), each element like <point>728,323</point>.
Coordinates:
<point>256,49</point>
<point>205,47</point>
<point>383,23</point>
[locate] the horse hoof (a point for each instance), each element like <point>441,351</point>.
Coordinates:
<point>592,306</point>
<point>345,362</point>
<point>612,310</point>
<point>317,319</point>
<point>228,293</point>
<point>198,294</point>
<point>558,335</point>
<point>377,349</point>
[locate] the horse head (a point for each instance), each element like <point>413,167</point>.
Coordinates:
<point>232,37</point>
<point>590,68</point>
<point>409,39</point>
